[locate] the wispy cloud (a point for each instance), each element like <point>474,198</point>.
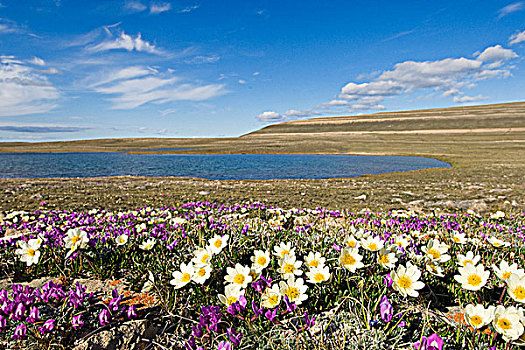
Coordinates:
<point>135,6</point>
<point>188,9</point>
<point>399,35</point>
<point>38,61</point>
<point>203,59</point>
<point>156,8</point>
<point>23,90</point>
<point>41,129</point>
<point>126,42</point>
<point>517,38</point>
<point>8,27</point>
<point>507,10</point>
<point>153,87</point>
<point>447,76</point>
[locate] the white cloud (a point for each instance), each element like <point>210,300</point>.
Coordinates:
<point>241,81</point>
<point>135,86</point>
<point>126,42</point>
<point>496,53</point>
<point>465,99</point>
<point>188,9</point>
<point>23,90</point>
<point>270,117</point>
<point>38,61</point>
<point>8,27</point>
<point>517,6</point>
<point>448,76</point>
<point>135,6</point>
<point>51,71</point>
<point>203,59</point>
<point>517,38</point>
<point>157,8</point>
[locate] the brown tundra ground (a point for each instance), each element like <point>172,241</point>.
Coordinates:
<point>484,144</point>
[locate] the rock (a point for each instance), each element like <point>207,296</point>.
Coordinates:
<point>477,205</point>
<point>363,197</point>
<point>204,193</point>
<point>124,336</point>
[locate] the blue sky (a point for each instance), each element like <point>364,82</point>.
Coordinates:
<point>190,68</point>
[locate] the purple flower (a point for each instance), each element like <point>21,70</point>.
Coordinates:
<point>33,315</point>
<point>114,303</point>
<point>76,322</point>
<point>433,342</point>
<point>132,312</point>
<point>19,313</point>
<point>197,331</point>
<point>2,323</point>
<point>190,344</point>
<point>236,337</point>
<point>271,315</point>
<point>224,345</point>
<point>337,247</point>
<point>20,332</point>
<point>47,327</point>
<point>267,280</point>
<point>256,310</point>
<point>386,310</point>
<point>388,280</point>
<point>258,285</point>
<point>103,317</point>
<point>290,305</point>
<point>309,322</point>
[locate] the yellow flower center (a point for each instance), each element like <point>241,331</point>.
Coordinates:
<point>456,239</point>
<point>261,260</point>
<point>31,252</point>
<point>201,272</point>
<point>319,277</point>
<point>292,293</point>
<point>205,258</point>
<point>506,275</point>
<point>504,324</point>
<point>466,261</point>
<point>496,244</point>
<point>372,246</point>
<point>284,252</point>
<point>519,293</point>
<point>185,277</point>
<point>348,260</point>
<point>239,278</point>
<point>218,243</point>
<point>383,259</point>
<point>434,253</point>
<point>273,299</point>
<point>474,280</point>
<point>476,320</point>
<point>288,268</point>
<point>351,244</point>
<point>75,239</point>
<point>314,263</point>
<point>404,282</point>
<point>231,300</point>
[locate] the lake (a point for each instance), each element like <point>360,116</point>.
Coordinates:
<point>214,167</point>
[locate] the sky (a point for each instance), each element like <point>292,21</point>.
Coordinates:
<point>193,68</point>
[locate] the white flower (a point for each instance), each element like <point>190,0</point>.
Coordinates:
<point>283,249</point>
<point>406,280</point>
<point>401,242</point>
<point>122,239</point>
<point>232,293</point>
<point>217,243</point>
<point>148,245</point>
<point>239,276</point>
<point>178,221</point>
<point>184,276</point>
<point>469,258</point>
<point>435,250</point>
<point>260,260</point>
<point>141,227</point>
<point>271,297</point>
<point>434,269</point>
<point>201,274</point>
<point>477,316</point>
<point>318,274</point>
<point>516,287</point>
<point>29,251</point>
<point>498,242</point>
<point>459,238</point>
<point>202,256</point>
<point>507,322</point>
<point>472,277</point>
<point>148,285</point>
<point>505,271</point>
<point>350,259</point>
<point>386,259</point>
<point>289,267</point>
<point>497,215</point>
<point>351,242</point>
<point>295,290</point>
<point>76,239</point>
<point>314,260</point>
<point>372,244</point>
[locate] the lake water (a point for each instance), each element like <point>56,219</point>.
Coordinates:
<point>217,167</point>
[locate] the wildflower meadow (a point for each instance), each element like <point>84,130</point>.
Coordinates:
<point>249,276</point>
